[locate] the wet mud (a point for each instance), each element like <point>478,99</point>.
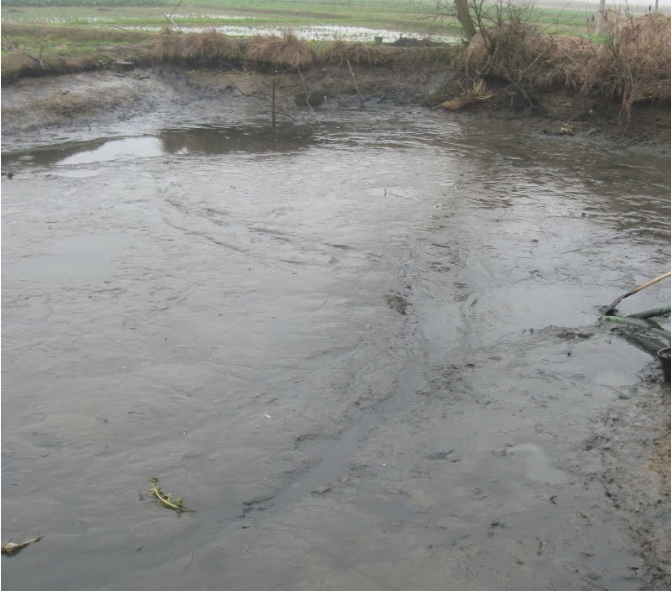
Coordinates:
<point>363,347</point>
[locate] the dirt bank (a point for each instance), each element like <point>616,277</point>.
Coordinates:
<point>81,99</point>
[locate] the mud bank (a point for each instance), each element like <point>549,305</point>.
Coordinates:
<point>81,99</point>
<point>362,346</point>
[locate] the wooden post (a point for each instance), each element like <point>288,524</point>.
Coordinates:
<point>356,86</point>
<point>273,98</point>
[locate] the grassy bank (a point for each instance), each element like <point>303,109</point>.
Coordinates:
<point>34,50</point>
<point>268,52</point>
<point>516,60</point>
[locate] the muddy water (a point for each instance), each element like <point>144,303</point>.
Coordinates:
<point>362,350</point>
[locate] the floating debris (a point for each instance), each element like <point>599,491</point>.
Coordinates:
<point>166,499</point>
<point>12,548</point>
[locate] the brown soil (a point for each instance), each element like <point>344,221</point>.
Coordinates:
<point>568,116</point>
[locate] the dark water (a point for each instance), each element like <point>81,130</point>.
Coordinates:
<point>346,345</point>
<point>197,141</point>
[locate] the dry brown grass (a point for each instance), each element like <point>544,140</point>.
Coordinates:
<point>633,67</point>
<point>287,51</point>
<point>468,96</point>
<point>520,54</point>
<point>340,52</point>
<point>203,48</point>
<point>18,65</point>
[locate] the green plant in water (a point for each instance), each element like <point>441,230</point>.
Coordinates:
<point>166,499</point>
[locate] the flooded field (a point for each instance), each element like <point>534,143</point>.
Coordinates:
<point>197,23</point>
<point>363,348</point>
<point>316,32</point>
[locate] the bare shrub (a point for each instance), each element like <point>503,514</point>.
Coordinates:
<point>636,65</point>
<point>515,52</point>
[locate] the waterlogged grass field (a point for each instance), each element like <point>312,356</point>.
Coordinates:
<point>72,35</point>
<point>402,16</point>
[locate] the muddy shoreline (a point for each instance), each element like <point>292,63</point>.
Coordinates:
<point>73,99</point>
<point>363,346</point>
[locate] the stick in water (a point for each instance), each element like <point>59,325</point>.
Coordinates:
<point>641,287</point>
<point>356,86</point>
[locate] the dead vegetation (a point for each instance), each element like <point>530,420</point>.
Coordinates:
<point>18,64</point>
<point>633,67</point>
<point>204,48</point>
<point>636,66</point>
<point>213,48</point>
<point>468,96</point>
<point>287,51</point>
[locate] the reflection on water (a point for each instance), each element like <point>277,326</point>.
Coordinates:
<point>199,140</point>
<point>218,140</point>
<point>508,167</point>
<point>132,147</point>
<point>626,191</point>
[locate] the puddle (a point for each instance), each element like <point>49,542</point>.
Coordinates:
<point>179,142</point>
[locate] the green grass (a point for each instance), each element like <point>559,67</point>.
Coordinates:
<point>400,15</point>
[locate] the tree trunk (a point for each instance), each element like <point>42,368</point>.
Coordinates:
<point>465,19</point>
<point>600,18</point>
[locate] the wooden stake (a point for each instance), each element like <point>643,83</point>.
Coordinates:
<point>355,84</point>
<point>169,19</point>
